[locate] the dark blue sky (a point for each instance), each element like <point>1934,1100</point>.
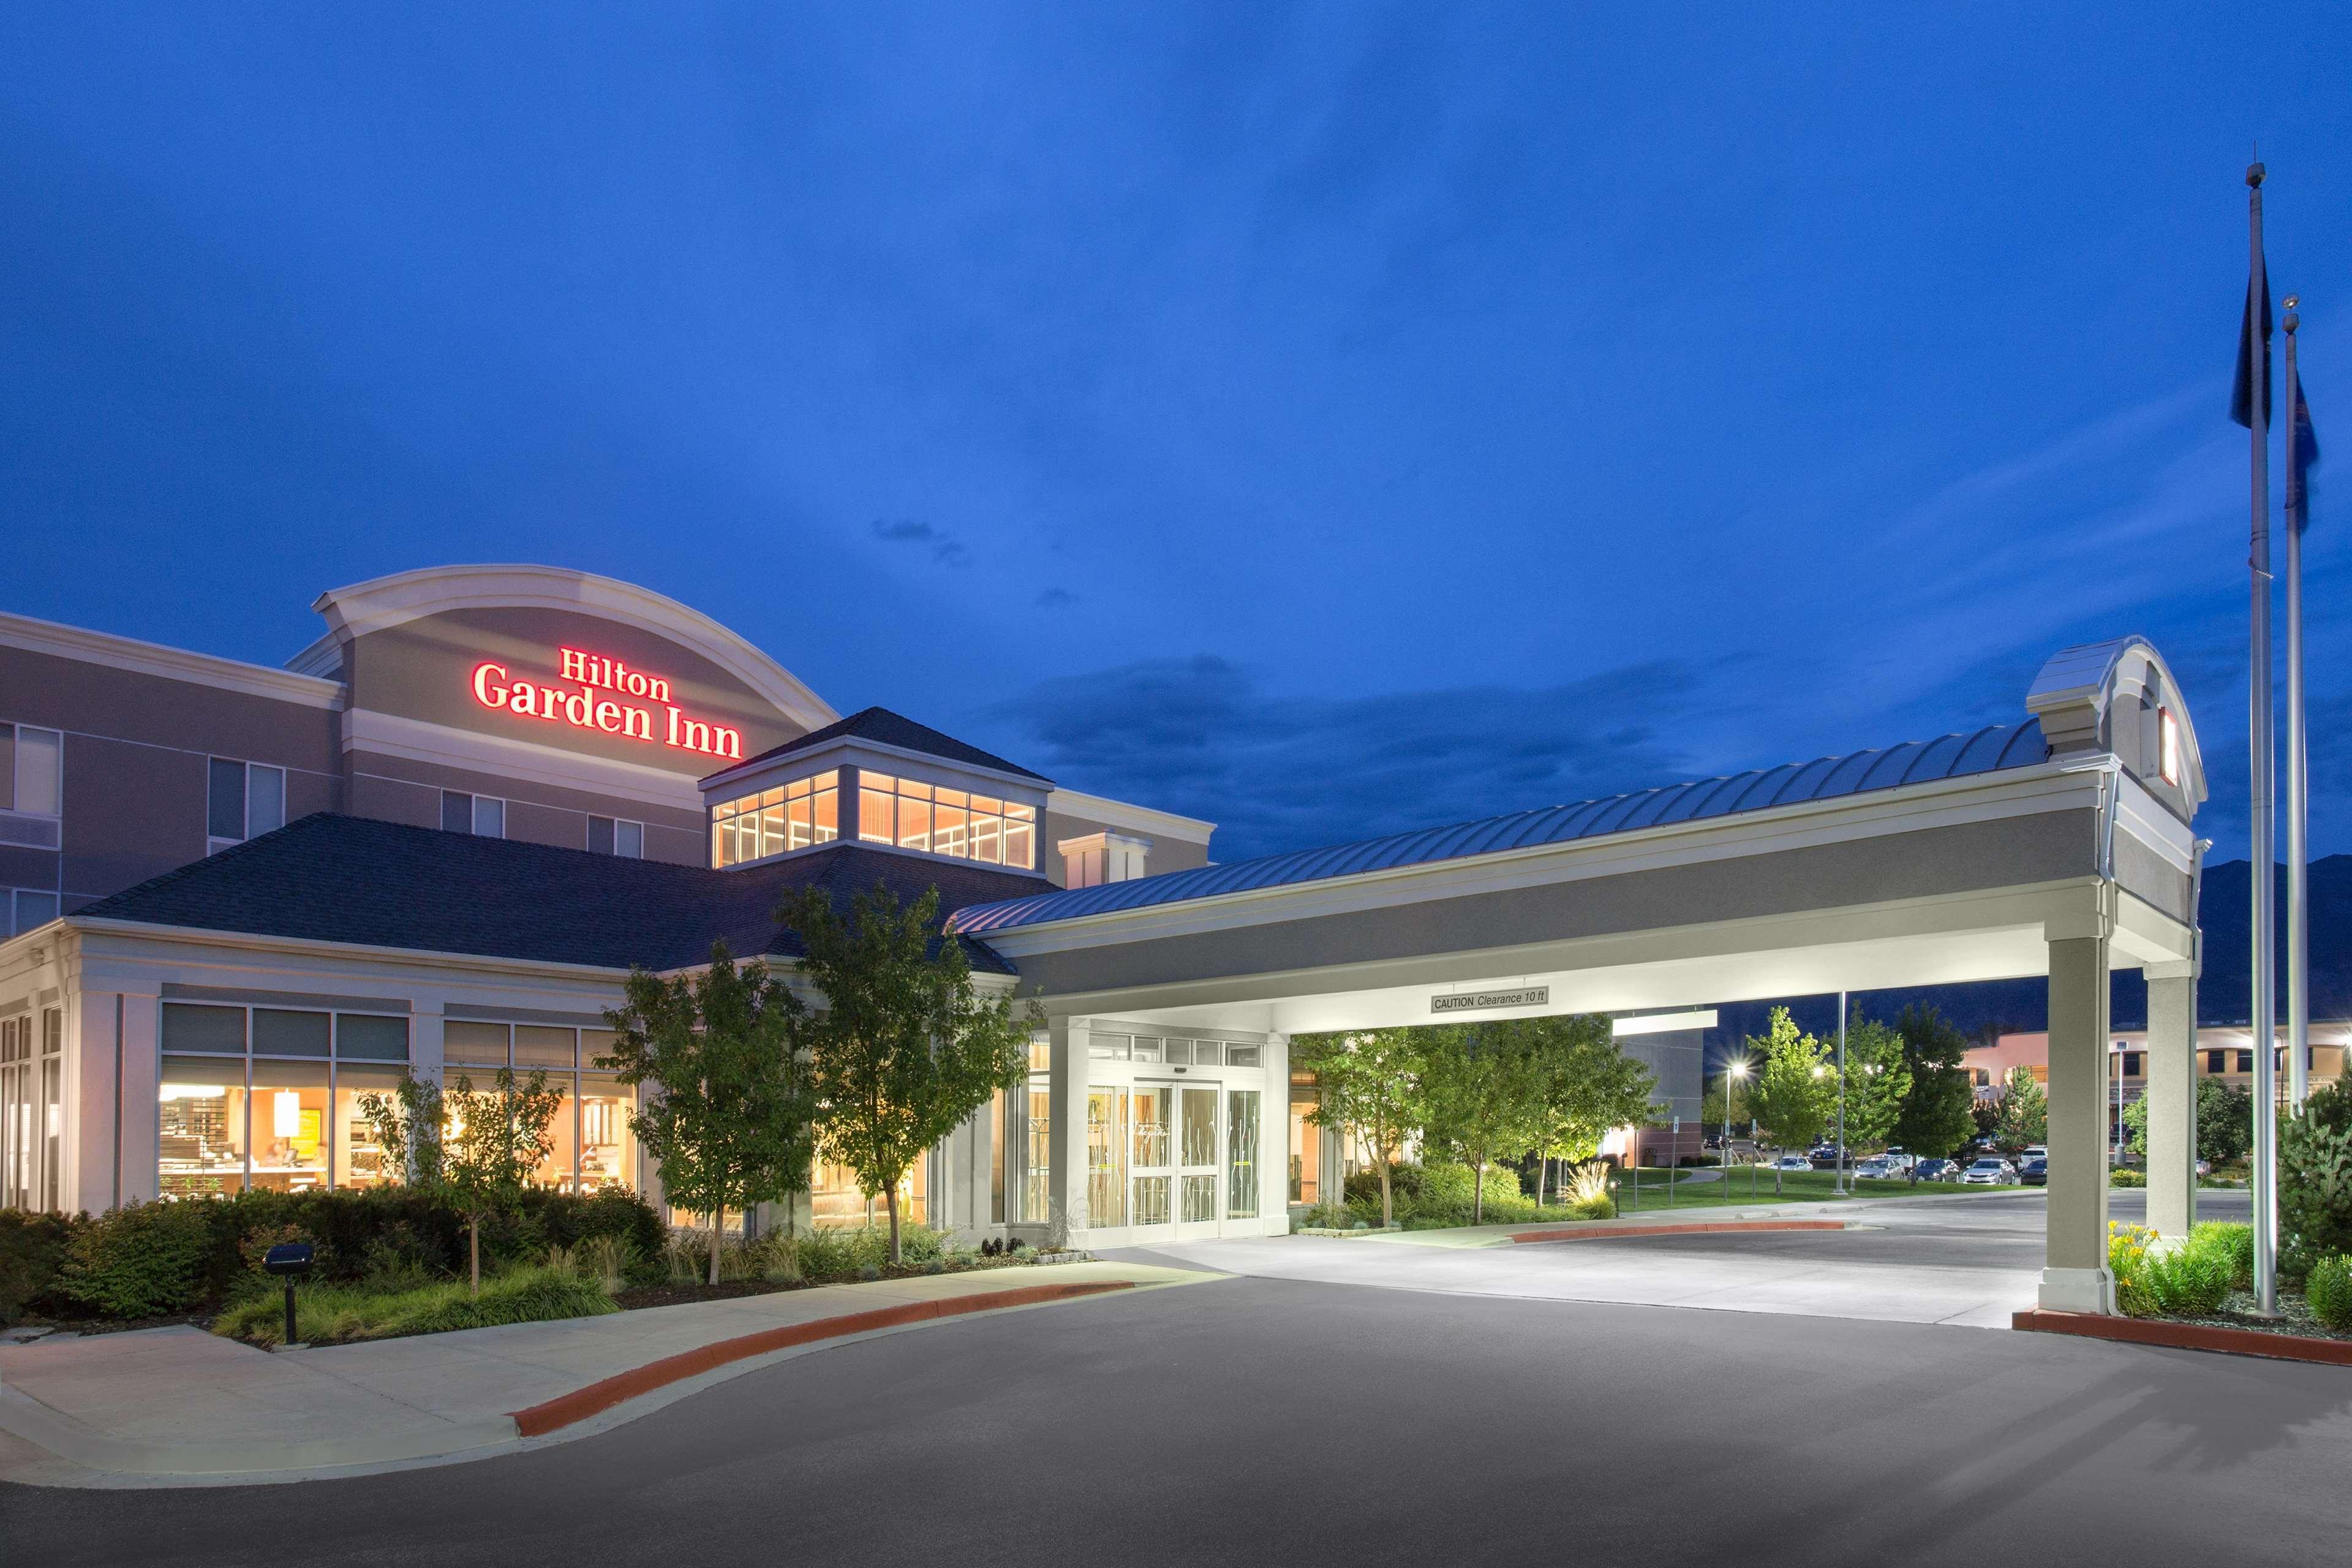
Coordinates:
<point>1321,420</point>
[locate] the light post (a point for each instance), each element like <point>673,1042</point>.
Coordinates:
<point>1732,1069</point>
<point>1840,1186</point>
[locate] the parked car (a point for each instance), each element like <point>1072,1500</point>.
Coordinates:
<point>1993,1170</point>
<point>2035,1151</point>
<point>1936,1171</point>
<point>1790,1162</point>
<point>1877,1169</point>
<point>2034,1172</point>
<point>1899,1159</point>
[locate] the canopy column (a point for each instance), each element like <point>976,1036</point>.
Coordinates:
<point>1067,1191</point>
<point>2075,1277</point>
<point>2171,1098</point>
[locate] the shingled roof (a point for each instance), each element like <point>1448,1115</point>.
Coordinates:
<point>383,884</point>
<point>888,729</point>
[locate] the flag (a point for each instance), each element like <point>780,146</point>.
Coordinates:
<point>2302,448</point>
<point>2241,395</point>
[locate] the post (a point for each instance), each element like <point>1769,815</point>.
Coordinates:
<point>1066,1218</point>
<point>1838,1186</point>
<point>293,1337</point>
<point>2261,789</point>
<point>2171,1098</point>
<point>2074,1277</point>
<point>2298,778</point>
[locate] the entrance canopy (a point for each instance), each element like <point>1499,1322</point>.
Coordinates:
<point>1953,859</point>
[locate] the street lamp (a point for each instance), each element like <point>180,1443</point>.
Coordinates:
<point>1731,1070</point>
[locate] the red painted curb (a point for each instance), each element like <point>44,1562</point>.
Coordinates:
<point>2186,1336</point>
<point>537,1420</point>
<point>1528,1236</point>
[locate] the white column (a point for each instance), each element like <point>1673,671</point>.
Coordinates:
<point>425,1041</point>
<point>1274,1138</point>
<point>142,1064</point>
<point>92,1156</point>
<point>2075,1277</point>
<point>2171,1098</point>
<point>1068,1096</point>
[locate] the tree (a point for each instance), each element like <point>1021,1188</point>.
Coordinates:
<point>1938,1114</point>
<point>492,1145</point>
<point>2024,1114</point>
<point>731,1120</point>
<point>906,1049</point>
<point>1485,1085</point>
<point>2225,1123</point>
<point>1590,1087</point>
<point>1877,1082</point>
<point>1713,1109</point>
<point>407,1126</point>
<point>1369,1083</point>
<point>1795,1091</point>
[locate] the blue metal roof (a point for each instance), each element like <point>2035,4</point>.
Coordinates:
<point>1914,762</point>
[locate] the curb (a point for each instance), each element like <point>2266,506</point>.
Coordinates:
<point>553,1414</point>
<point>1530,1237</point>
<point>2186,1336</point>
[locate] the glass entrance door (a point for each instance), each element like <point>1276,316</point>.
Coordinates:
<point>1150,1112</point>
<point>1196,1154</point>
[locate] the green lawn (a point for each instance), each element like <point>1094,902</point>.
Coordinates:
<point>1753,1185</point>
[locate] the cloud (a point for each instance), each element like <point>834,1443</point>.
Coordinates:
<point>1200,736</point>
<point>944,547</point>
<point>1056,599</point>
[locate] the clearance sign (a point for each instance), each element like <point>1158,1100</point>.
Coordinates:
<point>582,703</point>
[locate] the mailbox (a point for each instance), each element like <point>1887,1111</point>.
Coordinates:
<point>287,1258</point>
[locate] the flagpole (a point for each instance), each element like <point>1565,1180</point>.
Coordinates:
<point>2260,787</point>
<point>2299,781</point>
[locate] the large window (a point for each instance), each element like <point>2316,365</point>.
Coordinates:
<point>937,820</point>
<point>593,1148</point>
<point>25,909</point>
<point>796,815</point>
<point>243,800</point>
<point>835,1200</point>
<point>268,1098</point>
<point>1241,1154</point>
<point>32,1108</point>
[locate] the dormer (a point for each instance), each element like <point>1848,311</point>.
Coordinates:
<point>884,779</point>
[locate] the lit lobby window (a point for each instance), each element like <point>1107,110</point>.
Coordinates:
<point>796,815</point>
<point>937,820</point>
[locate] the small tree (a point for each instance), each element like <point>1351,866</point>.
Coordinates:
<point>1796,1090</point>
<point>1877,1082</point>
<point>1486,1089</point>
<point>407,1126</point>
<point>2225,1122</point>
<point>492,1145</point>
<point>731,1122</point>
<point>1715,1110</point>
<point>1938,1114</point>
<point>2025,1115</point>
<point>1369,1083</point>
<point>906,1049</point>
<point>1590,1087</point>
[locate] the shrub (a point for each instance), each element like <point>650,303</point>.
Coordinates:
<point>143,1259</point>
<point>2315,1157</point>
<point>2329,1291</point>
<point>2127,1247</point>
<point>837,1254</point>
<point>2122,1176</point>
<point>32,1250</point>
<point>2232,1242</point>
<point>2184,1283</point>
<point>1327,1217</point>
<point>340,1314</point>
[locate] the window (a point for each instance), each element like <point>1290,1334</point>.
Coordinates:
<point>2214,1060</point>
<point>2245,1061</point>
<point>244,800</point>
<point>938,820</point>
<point>32,771</point>
<point>2132,1064</point>
<point>27,908</point>
<point>835,1200</point>
<point>481,814</point>
<point>616,836</point>
<point>1306,1149</point>
<point>2168,745</point>
<point>32,1108</point>
<point>795,815</point>
<point>269,1098</point>
<point>593,1148</point>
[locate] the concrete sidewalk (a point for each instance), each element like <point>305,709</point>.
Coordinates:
<point>179,1405</point>
<point>1851,1211</point>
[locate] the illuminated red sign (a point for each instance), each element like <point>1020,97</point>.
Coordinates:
<point>582,704</point>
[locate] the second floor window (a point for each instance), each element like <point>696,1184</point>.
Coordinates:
<point>484,814</point>
<point>32,771</point>
<point>913,814</point>
<point>245,801</point>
